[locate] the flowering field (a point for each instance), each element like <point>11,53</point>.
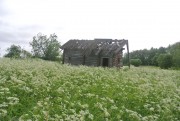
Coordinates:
<point>47,91</point>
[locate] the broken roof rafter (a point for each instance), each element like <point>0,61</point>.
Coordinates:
<point>97,44</point>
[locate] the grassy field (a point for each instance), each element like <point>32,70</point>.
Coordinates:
<point>47,91</point>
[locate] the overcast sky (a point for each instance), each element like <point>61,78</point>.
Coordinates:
<point>145,23</point>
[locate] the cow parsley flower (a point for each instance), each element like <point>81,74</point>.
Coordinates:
<point>3,112</point>
<point>13,100</point>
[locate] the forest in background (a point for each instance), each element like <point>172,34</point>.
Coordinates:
<point>164,57</point>
<point>48,48</point>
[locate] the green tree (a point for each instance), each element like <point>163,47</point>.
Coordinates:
<point>125,59</point>
<point>162,50</point>
<point>45,47</point>
<point>52,50</point>
<point>164,61</point>
<point>13,52</point>
<point>174,50</point>
<point>142,55</point>
<point>154,61</point>
<point>136,62</point>
<point>38,45</point>
<point>25,54</point>
<point>148,57</point>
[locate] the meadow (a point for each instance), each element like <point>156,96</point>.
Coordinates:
<point>37,90</point>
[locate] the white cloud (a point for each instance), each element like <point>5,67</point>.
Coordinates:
<point>145,23</point>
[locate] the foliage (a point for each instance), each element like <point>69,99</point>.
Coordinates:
<point>16,52</point>
<point>140,54</point>
<point>25,54</point>
<point>48,91</point>
<point>13,52</point>
<point>52,50</point>
<point>45,47</point>
<point>125,59</point>
<point>148,56</point>
<point>38,45</point>
<point>174,50</point>
<point>165,61</point>
<point>154,60</point>
<point>136,62</point>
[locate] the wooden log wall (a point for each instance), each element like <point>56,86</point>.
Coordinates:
<point>91,60</point>
<point>74,57</point>
<point>118,60</point>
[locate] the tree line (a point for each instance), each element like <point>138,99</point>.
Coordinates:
<point>48,48</point>
<point>164,57</point>
<point>44,47</point>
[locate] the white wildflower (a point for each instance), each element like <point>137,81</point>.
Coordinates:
<point>3,112</point>
<point>39,103</point>
<point>114,107</point>
<point>85,106</point>
<point>82,112</point>
<point>57,116</point>
<point>110,100</point>
<point>134,115</point>
<point>24,117</point>
<point>17,80</point>
<point>45,103</point>
<point>72,110</point>
<point>27,89</point>
<point>90,116</point>
<point>46,113</point>
<point>81,118</point>
<point>3,105</point>
<point>151,109</point>
<point>60,90</point>
<point>106,113</point>
<point>146,106</point>
<point>90,95</point>
<point>4,89</point>
<point>13,100</point>
<point>150,118</point>
<point>104,99</point>
<point>99,105</point>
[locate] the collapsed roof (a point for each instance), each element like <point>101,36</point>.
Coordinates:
<point>97,45</point>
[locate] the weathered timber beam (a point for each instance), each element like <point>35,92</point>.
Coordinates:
<point>128,53</point>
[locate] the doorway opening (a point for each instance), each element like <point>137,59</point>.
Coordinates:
<point>69,59</point>
<point>105,62</point>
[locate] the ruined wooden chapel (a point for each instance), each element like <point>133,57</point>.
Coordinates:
<point>97,52</point>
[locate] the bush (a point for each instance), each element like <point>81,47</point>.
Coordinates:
<point>165,61</point>
<point>154,60</point>
<point>13,52</point>
<point>136,62</point>
<point>175,52</point>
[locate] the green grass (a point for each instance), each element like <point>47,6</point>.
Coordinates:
<point>41,90</point>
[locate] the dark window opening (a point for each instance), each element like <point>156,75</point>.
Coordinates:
<point>105,62</point>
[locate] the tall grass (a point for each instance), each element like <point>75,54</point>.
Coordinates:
<point>41,90</point>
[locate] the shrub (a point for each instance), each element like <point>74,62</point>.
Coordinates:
<point>165,61</point>
<point>175,52</point>
<point>136,62</point>
<point>154,60</point>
